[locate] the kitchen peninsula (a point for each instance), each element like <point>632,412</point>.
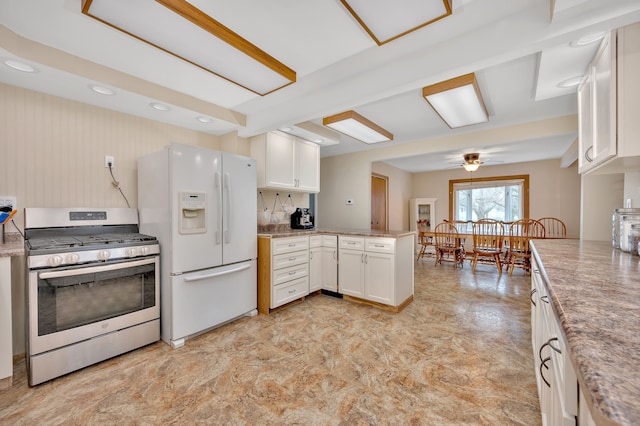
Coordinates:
<point>594,293</point>
<point>375,267</point>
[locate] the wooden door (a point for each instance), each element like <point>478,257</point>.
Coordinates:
<point>379,202</point>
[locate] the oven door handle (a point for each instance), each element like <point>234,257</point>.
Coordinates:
<point>217,274</point>
<point>93,269</point>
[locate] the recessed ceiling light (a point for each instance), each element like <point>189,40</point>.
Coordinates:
<point>20,66</point>
<point>204,119</point>
<point>588,39</point>
<point>570,82</point>
<point>159,107</point>
<point>316,140</point>
<point>286,129</point>
<point>102,90</point>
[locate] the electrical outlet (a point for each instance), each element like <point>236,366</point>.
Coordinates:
<point>109,159</point>
<point>8,202</point>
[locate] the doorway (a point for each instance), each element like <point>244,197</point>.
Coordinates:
<point>379,197</point>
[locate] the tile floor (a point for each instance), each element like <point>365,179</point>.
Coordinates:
<point>459,354</point>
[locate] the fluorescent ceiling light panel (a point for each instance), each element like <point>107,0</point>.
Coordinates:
<point>179,28</point>
<point>386,20</point>
<point>353,124</point>
<point>457,101</point>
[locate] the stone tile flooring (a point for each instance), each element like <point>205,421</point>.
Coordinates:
<point>459,354</point>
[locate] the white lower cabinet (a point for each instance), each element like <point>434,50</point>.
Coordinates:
<point>283,271</point>
<point>323,263</point>
<point>556,379</point>
<point>376,269</point>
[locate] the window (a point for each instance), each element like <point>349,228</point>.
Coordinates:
<point>504,198</point>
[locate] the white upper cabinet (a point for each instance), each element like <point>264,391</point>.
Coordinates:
<point>286,162</point>
<point>609,105</point>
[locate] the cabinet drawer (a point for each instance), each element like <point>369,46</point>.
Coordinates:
<point>287,274</point>
<point>351,243</point>
<point>288,245</point>
<point>291,291</point>
<point>289,259</point>
<point>315,241</point>
<point>380,245</point>
<point>329,241</point>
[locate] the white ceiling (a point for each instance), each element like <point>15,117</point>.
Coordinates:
<point>519,50</point>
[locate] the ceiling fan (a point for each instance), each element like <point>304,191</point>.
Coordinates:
<point>471,161</point>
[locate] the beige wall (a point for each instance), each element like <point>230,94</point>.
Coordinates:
<point>399,189</point>
<point>601,194</point>
<point>52,155</point>
<point>348,176</point>
<point>553,191</point>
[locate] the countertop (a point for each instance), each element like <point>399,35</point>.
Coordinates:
<point>595,292</point>
<point>286,231</point>
<point>13,245</point>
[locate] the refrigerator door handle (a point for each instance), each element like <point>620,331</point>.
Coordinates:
<point>216,274</point>
<point>219,215</point>
<point>228,214</point>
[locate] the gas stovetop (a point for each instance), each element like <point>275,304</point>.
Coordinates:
<point>66,237</point>
<point>79,242</point>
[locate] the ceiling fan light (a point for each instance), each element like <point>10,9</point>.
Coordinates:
<point>457,101</point>
<point>472,167</point>
<point>358,127</point>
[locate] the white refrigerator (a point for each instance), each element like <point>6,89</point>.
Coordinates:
<point>201,205</point>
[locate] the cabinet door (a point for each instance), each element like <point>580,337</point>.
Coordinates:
<point>307,166</point>
<point>351,273</point>
<point>316,271</point>
<point>604,100</point>
<point>379,277</point>
<point>330,268</point>
<point>585,125</point>
<point>280,159</point>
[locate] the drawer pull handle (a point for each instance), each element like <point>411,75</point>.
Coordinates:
<point>544,364</point>
<point>351,243</point>
<point>292,291</point>
<point>533,302</point>
<point>292,273</point>
<point>291,259</point>
<point>378,245</point>
<point>292,245</point>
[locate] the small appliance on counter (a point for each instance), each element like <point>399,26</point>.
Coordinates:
<point>301,219</point>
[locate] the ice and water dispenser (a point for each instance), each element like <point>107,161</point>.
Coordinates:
<point>193,213</point>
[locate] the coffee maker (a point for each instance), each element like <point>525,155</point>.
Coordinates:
<point>301,219</point>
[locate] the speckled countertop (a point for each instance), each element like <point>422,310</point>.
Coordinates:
<point>13,245</point>
<point>271,231</point>
<point>595,292</point>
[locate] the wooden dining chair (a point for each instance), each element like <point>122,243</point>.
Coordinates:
<point>424,240</point>
<point>448,245</point>
<point>553,227</point>
<point>488,235</point>
<point>521,232</point>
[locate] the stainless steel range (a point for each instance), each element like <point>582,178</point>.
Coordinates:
<point>92,288</point>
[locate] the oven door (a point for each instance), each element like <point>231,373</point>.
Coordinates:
<point>74,304</point>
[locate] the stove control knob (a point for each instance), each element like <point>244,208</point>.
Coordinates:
<point>72,258</point>
<point>104,255</point>
<point>132,252</point>
<point>55,260</point>
<point>144,250</point>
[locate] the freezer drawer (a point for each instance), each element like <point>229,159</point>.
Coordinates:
<point>205,299</point>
